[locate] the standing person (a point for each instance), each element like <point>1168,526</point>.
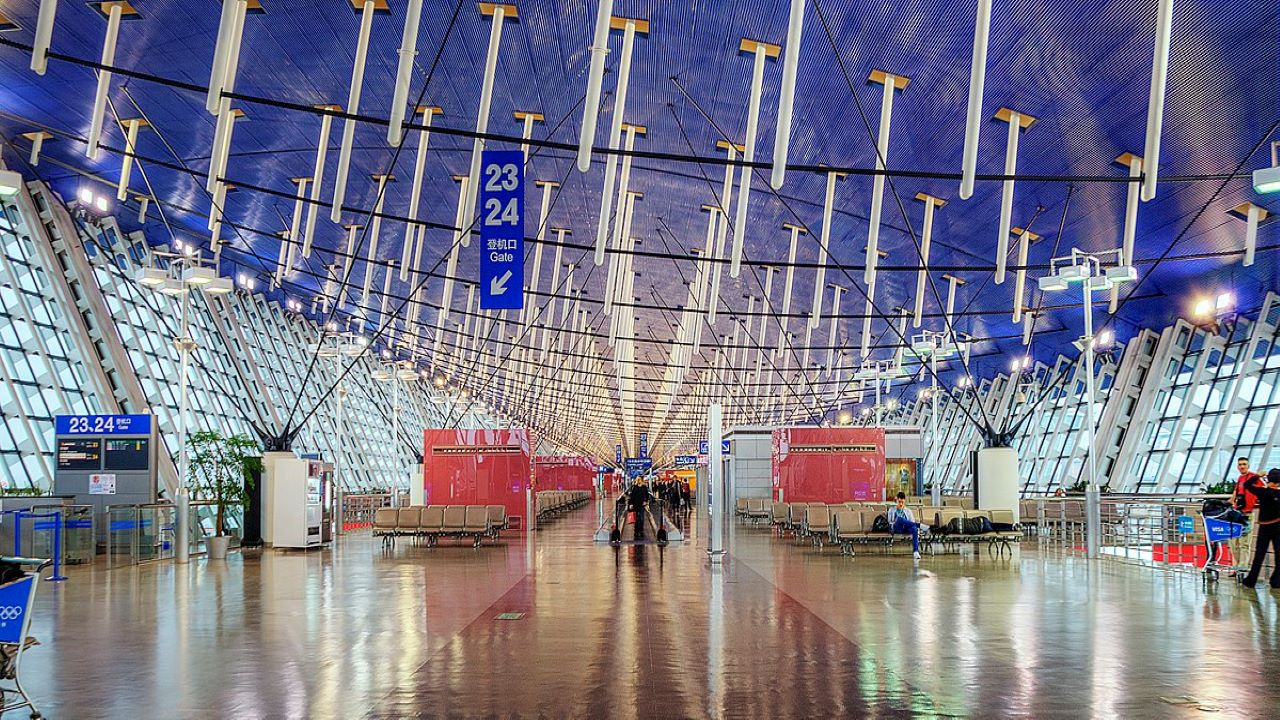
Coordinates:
<point>901,522</point>
<point>1245,501</point>
<point>1268,494</point>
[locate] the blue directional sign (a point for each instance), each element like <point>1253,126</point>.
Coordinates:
<point>686,461</point>
<point>617,454</point>
<point>102,425</point>
<point>636,467</point>
<point>644,445</point>
<point>704,449</point>
<point>501,230</point>
<point>1186,524</point>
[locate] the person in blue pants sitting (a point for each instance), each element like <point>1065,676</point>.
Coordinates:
<point>901,522</point>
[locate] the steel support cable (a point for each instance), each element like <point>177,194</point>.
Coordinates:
<point>287,431</point>
<point>702,316</point>
<point>146,295</point>
<point>337,252</point>
<point>818,169</point>
<point>724,212</point>
<point>799,221</point>
<point>1178,238</point>
<point>915,242</point>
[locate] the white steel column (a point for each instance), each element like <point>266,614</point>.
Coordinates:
<point>715,490</point>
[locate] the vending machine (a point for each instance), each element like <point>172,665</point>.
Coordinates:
<point>296,494</point>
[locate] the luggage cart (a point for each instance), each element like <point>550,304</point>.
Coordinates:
<point>16,600</point>
<point>1218,529</point>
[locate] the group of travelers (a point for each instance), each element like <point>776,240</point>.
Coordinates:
<point>675,493</point>
<point>1257,496</point>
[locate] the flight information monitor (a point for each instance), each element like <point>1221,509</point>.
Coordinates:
<point>80,454</point>
<point>127,454</point>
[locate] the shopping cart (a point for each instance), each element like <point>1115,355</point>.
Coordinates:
<point>16,599</point>
<point>1221,523</point>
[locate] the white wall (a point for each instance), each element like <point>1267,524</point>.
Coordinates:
<point>751,462</point>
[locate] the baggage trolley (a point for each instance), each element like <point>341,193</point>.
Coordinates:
<point>16,600</point>
<point>1217,531</point>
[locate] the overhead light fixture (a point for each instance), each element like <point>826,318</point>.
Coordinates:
<point>1122,274</point>
<point>1225,301</point>
<point>151,277</point>
<point>218,286</point>
<point>198,275</point>
<point>1052,283</point>
<point>1266,180</point>
<point>172,287</point>
<point>10,183</point>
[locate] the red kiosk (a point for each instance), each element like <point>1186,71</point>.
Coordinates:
<point>564,472</point>
<point>478,467</point>
<point>828,465</point>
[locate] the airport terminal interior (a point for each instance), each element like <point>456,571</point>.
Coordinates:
<point>639,359</point>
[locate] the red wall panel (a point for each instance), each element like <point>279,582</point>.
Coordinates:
<point>828,465</point>
<point>564,472</point>
<point>477,467</point>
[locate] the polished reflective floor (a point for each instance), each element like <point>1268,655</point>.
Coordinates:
<point>562,627</point>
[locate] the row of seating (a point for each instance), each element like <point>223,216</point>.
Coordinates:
<point>433,522</point>
<point>553,502</point>
<point>847,524</point>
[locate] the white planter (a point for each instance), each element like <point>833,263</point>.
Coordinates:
<point>217,546</point>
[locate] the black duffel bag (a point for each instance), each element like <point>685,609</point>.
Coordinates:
<point>880,525</point>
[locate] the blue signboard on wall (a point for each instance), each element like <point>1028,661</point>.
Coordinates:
<point>502,230</point>
<point>102,425</point>
<point>704,449</point>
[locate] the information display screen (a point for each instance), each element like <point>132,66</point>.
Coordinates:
<point>127,454</point>
<point>80,454</point>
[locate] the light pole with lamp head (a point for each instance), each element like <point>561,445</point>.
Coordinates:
<point>935,346</point>
<point>1100,272</point>
<point>183,271</point>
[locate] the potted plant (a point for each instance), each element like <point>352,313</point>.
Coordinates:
<point>221,470</point>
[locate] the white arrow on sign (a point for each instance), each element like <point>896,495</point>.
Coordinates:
<point>498,285</point>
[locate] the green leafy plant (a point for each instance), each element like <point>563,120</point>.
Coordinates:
<point>1082,486</point>
<point>222,470</point>
<point>22,492</point>
<point>1226,487</point>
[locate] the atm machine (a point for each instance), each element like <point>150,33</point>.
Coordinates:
<point>296,502</point>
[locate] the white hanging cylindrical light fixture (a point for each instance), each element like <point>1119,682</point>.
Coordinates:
<point>973,115</point>
<point>595,79</point>
<point>1017,122</point>
<point>629,27</point>
<point>367,12</point>
<point>114,11</point>
<point>1155,103</point>
<point>500,12</point>
<point>787,94</point>
<point>1025,238</point>
<point>760,52</point>
<point>824,244</point>
<point>404,72</point>
<point>317,176</point>
<point>412,233</point>
<point>44,35</point>
<point>230,27</point>
<point>890,83</point>
<point>131,128</point>
<point>931,203</point>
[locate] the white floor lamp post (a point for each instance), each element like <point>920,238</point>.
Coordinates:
<point>1095,272</point>
<point>184,271</point>
<point>935,346</point>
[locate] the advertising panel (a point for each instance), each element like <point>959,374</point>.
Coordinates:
<point>478,467</point>
<point>829,465</point>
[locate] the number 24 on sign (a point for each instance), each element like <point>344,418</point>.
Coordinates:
<point>499,211</point>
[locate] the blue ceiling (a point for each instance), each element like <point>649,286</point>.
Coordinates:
<point>1082,69</point>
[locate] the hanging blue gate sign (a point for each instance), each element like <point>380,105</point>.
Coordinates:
<point>501,230</point>
<point>617,455</point>
<point>703,449</point>
<point>644,445</point>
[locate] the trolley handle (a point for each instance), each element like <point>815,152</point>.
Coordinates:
<point>40,563</point>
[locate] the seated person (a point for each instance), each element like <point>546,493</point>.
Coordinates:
<point>901,522</point>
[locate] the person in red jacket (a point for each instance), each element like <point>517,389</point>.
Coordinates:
<point>1246,502</point>
<point>1268,493</point>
